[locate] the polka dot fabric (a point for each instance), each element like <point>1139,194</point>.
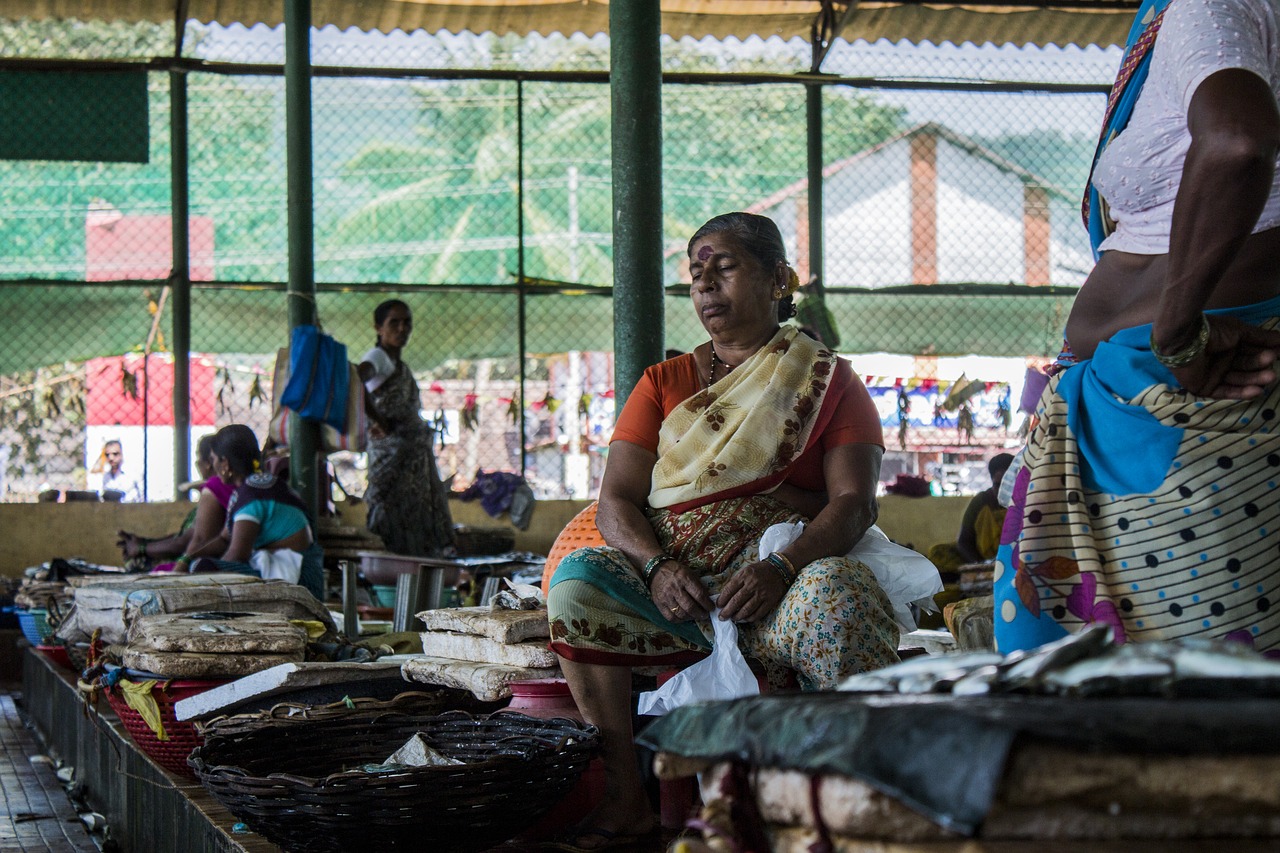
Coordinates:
<point>1199,556</point>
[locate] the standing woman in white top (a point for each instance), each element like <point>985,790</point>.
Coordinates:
<point>1148,499</point>
<point>408,505</point>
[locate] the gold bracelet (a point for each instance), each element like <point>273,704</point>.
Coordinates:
<point>1187,354</point>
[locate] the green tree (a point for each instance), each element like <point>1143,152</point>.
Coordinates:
<point>444,204</point>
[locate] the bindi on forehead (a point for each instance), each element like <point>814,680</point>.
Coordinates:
<point>705,252</point>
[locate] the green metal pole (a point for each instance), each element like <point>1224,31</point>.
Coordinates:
<point>522,292</point>
<point>813,128</point>
<point>180,279</point>
<point>303,436</point>
<point>635,83</point>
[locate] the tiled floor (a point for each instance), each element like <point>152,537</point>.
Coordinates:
<point>36,816</point>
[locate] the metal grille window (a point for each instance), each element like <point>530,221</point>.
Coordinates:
<point>480,194</point>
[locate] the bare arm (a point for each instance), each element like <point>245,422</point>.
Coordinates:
<point>1226,179</point>
<point>210,519</point>
<point>624,492</point>
<point>377,421</point>
<point>967,540</point>
<point>803,501</point>
<point>851,472</point>
<point>243,534</point>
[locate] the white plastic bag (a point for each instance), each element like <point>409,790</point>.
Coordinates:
<point>282,565</point>
<point>906,576</point>
<point>723,675</point>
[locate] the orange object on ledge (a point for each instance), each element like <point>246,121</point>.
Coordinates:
<point>580,532</point>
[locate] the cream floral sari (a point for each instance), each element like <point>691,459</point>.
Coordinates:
<point>719,455</point>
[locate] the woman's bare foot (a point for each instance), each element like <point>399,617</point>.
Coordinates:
<point>610,826</point>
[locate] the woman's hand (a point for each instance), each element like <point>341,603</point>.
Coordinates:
<point>130,545</point>
<point>753,593</point>
<point>678,593</point>
<point>1238,361</point>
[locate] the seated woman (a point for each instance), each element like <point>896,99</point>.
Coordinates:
<point>268,532</point>
<point>202,524</point>
<point>979,536</point>
<point>758,426</point>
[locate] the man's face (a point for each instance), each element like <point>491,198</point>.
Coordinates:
<point>114,454</point>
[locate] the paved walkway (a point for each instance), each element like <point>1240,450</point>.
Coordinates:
<point>36,816</point>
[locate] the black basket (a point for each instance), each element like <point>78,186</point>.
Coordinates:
<point>300,784</point>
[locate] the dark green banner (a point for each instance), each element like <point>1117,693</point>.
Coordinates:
<point>74,115</point>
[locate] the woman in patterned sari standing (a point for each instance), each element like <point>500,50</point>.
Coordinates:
<point>408,505</point>
<point>1146,498</point>
<point>758,426</point>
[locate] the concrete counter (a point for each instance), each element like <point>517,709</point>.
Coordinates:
<point>36,532</point>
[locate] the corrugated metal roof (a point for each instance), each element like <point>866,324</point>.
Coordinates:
<point>1082,22</point>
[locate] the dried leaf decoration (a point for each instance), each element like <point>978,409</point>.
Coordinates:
<point>51,407</point>
<point>256,394</point>
<point>75,406</point>
<point>470,413</point>
<point>964,423</point>
<point>128,382</point>
<point>226,391</point>
<point>904,415</point>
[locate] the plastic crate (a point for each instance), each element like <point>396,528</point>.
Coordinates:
<point>35,625</point>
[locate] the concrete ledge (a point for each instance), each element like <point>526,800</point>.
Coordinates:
<point>147,808</point>
<point>37,532</point>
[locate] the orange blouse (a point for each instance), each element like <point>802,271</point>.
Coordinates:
<point>668,384</point>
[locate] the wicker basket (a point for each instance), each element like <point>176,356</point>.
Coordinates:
<point>299,782</point>
<point>183,737</point>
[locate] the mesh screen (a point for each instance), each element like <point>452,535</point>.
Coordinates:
<point>951,232</point>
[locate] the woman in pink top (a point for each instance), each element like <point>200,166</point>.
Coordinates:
<point>201,525</point>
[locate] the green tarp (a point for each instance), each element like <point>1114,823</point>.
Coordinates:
<point>48,325</point>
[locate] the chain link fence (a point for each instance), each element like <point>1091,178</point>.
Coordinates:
<point>480,194</point>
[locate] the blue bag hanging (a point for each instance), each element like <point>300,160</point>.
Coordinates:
<point>318,377</point>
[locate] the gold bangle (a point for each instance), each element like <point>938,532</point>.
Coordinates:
<point>1187,354</point>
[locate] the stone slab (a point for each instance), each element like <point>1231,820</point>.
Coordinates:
<point>195,665</point>
<point>110,607</point>
<point>532,653</point>
<point>503,626</point>
<point>280,681</point>
<point>217,633</point>
<point>488,682</point>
